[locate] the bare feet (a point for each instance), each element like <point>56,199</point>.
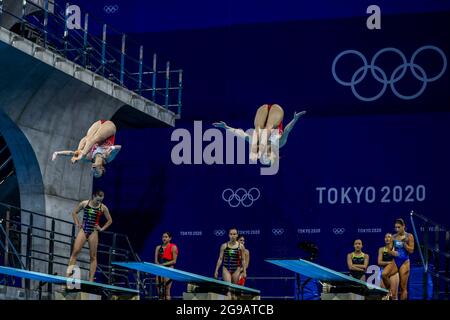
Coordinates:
<point>77,155</point>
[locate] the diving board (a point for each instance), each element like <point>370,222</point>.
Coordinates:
<point>59,280</point>
<point>205,284</point>
<point>343,282</point>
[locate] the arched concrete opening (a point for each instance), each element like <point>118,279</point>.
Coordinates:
<point>28,174</point>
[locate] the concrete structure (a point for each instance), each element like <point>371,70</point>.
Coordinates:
<point>47,103</point>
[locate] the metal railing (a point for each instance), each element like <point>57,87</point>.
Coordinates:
<point>100,48</point>
<point>113,246</point>
<point>432,253</point>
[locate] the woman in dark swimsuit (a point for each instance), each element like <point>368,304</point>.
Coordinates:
<point>92,209</point>
<point>385,258</point>
<point>232,259</point>
<point>358,261</point>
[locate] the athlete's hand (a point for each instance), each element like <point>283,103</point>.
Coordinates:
<point>244,274</point>
<point>393,253</point>
<point>98,228</point>
<point>216,275</point>
<point>220,124</point>
<point>55,154</point>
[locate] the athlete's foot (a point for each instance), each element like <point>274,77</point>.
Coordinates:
<point>77,155</point>
<point>253,157</point>
<point>262,150</point>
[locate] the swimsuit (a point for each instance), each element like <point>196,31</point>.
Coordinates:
<point>403,255</point>
<point>91,218</point>
<point>103,147</point>
<point>166,254</point>
<point>280,126</point>
<point>232,258</point>
<point>357,260</point>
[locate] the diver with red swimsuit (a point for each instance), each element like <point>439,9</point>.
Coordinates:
<point>96,147</point>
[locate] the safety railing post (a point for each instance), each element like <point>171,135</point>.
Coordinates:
<point>1,6</point>
<point>425,273</point>
<point>155,61</point>
<point>72,238</point>
<point>104,50</point>
<point>180,90</point>
<point>45,23</point>
<point>66,29</point>
<point>141,64</point>
<point>28,256</point>
<point>122,59</point>
<point>7,224</point>
<point>85,39</point>
<point>51,250</point>
<point>447,263</point>
<point>166,100</point>
<point>23,14</point>
<point>436,262</point>
<point>112,252</point>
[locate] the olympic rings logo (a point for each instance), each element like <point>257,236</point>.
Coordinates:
<point>399,72</point>
<point>219,233</point>
<point>240,197</point>
<point>277,232</point>
<point>111,9</point>
<point>338,231</point>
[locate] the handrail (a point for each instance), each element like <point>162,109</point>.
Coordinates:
<point>93,50</point>
<point>425,263</point>
<point>435,273</point>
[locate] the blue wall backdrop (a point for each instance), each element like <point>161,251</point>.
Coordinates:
<point>392,151</point>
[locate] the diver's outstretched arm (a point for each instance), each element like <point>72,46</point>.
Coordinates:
<point>289,127</point>
<point>237,132</point>
<point>62,153</point>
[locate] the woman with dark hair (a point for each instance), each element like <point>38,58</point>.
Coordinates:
<point>232,259</point>
<point>166,255</point>
<point>358,261</point>
<point>403,247</point>
<point>385,258</point>
<point>242,279</point>
<point>92,209</point>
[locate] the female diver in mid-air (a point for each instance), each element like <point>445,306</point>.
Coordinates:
<point>268,131</point>
<point>96,147</point>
